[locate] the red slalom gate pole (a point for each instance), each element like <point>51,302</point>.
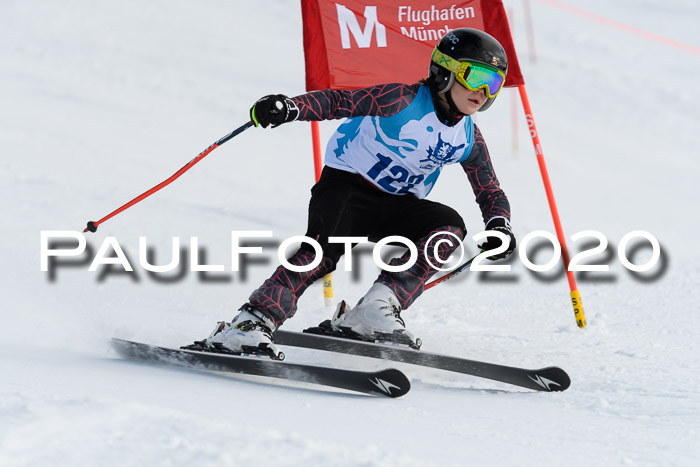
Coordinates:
<point>575,294</point>
<point>318,167</point>
<point>316,138</point>
<point>530,32</point>
<point>92,225</point>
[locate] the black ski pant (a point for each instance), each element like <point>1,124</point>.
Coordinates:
<point>344,204</point>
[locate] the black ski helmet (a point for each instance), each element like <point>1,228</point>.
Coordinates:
<point>470,45</point>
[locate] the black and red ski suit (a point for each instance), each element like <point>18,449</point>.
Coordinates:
<point>346,204</point>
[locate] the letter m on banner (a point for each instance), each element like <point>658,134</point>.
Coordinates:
<point>356,43</point>
<point>348,24</point>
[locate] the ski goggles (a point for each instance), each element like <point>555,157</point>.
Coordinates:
<point>473,76</point>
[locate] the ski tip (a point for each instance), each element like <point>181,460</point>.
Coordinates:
<point>390,383</point>
<point>550,379</point>
<point>117,343</point>
<point>126,349</point>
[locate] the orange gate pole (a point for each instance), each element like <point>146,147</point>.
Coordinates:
<point>575,295</point>
<point>318,167</point>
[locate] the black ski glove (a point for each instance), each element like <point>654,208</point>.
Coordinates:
<point>274,110</point>
<point>499,224</point>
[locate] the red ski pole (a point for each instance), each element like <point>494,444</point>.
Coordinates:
<point>92,225</point>
<point>449,275</point>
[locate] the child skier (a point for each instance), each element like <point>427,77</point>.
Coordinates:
<point>380,165</point>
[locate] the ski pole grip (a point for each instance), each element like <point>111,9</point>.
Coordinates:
<point>578,308</point>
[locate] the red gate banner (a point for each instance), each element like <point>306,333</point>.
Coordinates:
<point>359,43</point>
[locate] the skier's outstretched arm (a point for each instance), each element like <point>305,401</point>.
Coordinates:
<point>381,100</point>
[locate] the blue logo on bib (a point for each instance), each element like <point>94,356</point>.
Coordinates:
<point>442,154</point>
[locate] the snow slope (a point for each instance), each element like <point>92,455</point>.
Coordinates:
<point>100,101</point>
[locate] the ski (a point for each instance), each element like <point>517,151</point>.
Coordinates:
<point>389,382</point>
<point>545,379</point>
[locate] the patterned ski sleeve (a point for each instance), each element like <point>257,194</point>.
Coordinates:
<point>381,100</point>
<point>491,199</point>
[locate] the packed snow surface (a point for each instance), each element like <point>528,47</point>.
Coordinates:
<point>102,100</point>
